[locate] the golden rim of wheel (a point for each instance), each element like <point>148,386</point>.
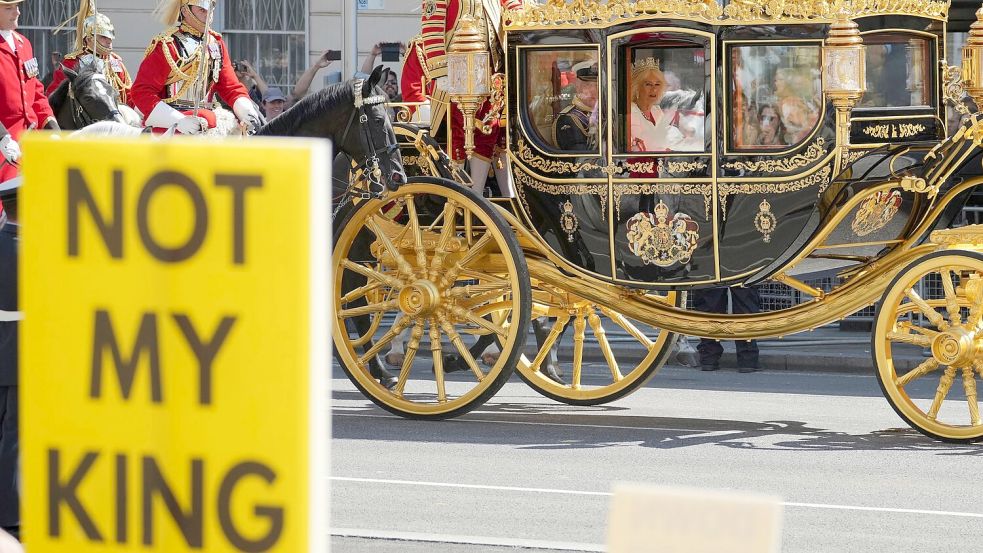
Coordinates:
<point>438,272</point>
<point>591,372</point>
<point>936,304</point>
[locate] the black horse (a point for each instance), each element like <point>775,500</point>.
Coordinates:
<point>85,97</point>
<point>354,116</point>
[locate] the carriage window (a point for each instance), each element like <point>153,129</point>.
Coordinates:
<point>665,98</point>
<point>561,98</point>
<point>775,95</point>
<point>898,68</point>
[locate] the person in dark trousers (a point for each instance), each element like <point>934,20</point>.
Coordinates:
<point>9,496</point>
<point>714,300</point>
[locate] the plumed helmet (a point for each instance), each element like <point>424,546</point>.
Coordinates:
<point>98,24</point>
<point>169,11</point>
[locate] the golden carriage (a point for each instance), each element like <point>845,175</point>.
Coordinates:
<point>806,136</point>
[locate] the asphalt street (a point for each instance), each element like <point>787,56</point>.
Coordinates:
<point>525,473</point>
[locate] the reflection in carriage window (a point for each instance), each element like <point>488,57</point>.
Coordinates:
<point>897,71</point>
<point>666,88</point>
<point>561,98</point>
<point>775,96</point>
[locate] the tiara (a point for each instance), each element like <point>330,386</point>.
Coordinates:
<point>642,65</point>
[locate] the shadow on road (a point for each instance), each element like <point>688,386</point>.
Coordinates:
<point>554,427</point>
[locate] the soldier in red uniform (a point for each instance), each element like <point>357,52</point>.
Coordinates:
<point>414,81</point>
<point>23,105</point>
<point>95,28</point>
<point>440,20</point>
<point>172,88</point>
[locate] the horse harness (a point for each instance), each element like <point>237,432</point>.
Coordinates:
<point>80,117</point>
<point>370,167</point>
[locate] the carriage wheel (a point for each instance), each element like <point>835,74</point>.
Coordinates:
<point>935,303</point>
<point>592,372</point>
<point>444,268</point>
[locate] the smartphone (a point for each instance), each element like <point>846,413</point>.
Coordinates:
<point>333,55</point>
<point>390,51</point>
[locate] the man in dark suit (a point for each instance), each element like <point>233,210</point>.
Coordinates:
<point>572,128</point>
<point>9,497</point>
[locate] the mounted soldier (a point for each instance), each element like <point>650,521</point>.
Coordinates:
<point>184,68</point>
<point>94,40</point>
<point>440,22</point>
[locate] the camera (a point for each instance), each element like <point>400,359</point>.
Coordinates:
<point>333,55</point>
<point>390,51</point>
<point>239,67</point>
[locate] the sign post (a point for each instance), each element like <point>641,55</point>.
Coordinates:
<point>174,352</point>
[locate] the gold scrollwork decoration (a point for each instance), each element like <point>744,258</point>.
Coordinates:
<point>568,220</point>
<point>523,180</point>
<point>420,161</point>
<point>765,221</point>
<point>579,13</point>
<point>647,167</point>
<point>970,234</point>
<point>685,166</point>
<point>850,156</point>
<point>820,179</point>
<point>813,153</point>
<point>876,212</point>
<point>952,87</point>
<point>497,101</point>
<point>663,189</point>
<point>903,130</point>
<point>552,166</point>
<point>662,238</point>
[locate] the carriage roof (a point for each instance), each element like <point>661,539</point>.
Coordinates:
<point>599,14</point>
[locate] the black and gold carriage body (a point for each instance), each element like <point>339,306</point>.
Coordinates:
<point>756,211</point>
<point>660,146</point>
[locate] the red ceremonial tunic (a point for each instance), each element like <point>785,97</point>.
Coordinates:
<point>439,23</point>
<point>23,104</point>
<point>414,76</point>
<point>157,82</point>
<point>120,78</point>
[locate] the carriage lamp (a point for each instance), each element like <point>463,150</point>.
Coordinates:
<point>468,75</point>
<point>844,72</point>
<point>973,60</point>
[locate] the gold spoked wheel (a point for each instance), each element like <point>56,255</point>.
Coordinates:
<point>935,303</point>
<point>592,364</point>
<point>439,266</point>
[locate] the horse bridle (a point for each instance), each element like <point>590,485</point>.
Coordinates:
<point>80,117</point>
<point>370,167</point>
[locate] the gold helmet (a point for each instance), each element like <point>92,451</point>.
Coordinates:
<point>89,23</point>
<point>169,11</point>
<point>98,24</point>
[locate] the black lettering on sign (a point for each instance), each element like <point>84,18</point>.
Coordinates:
<point>204,352</point>
<point>239,184</point>
<point>66,493</point>
<point>146,341</point>
<point>111,230</point>
<point>122,505</point>
<point>272,513</point>
<point>191,523</point>
<point>199,231</point>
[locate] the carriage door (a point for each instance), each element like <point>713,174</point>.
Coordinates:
<point>660,134</point>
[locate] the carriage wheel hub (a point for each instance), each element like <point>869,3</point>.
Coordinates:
<point>955,347</point>
<point>420,298</point>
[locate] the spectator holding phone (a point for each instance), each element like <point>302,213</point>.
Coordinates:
<point>250,79</point>
<point>386,49</point>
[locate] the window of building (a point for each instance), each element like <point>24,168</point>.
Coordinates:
<point>898,71</point>
<point>38,20</point>
<point>271,35</point>
<point>775,96</point>
<point>561,92</point>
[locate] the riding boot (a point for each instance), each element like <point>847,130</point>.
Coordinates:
<point>379,372</point>
<point>551,369</point>
<point>479,174</point>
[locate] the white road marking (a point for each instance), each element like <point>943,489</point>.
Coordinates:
<point>465,540</point>
<point>607,494</point>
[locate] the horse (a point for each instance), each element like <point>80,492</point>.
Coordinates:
<point>86,97</point>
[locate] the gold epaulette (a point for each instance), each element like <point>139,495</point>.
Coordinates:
<point>74,55</point>
<point>167,37</point>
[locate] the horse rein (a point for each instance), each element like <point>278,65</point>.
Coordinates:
<point>370,167</point>
<point>80,117</point>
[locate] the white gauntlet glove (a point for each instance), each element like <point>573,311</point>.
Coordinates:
<point>192,125</point>
<point>10,149</point>
<point>246,112</point>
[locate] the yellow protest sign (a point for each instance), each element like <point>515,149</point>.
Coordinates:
<point>174,352</point>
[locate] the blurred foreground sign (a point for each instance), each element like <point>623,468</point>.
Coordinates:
<point>174,352</point>
<point>650,519</point>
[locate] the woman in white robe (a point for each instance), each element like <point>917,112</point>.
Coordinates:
<point>653,129</point>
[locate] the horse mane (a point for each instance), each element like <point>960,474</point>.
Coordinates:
<point>57,98</point>
<point>318,104</point>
